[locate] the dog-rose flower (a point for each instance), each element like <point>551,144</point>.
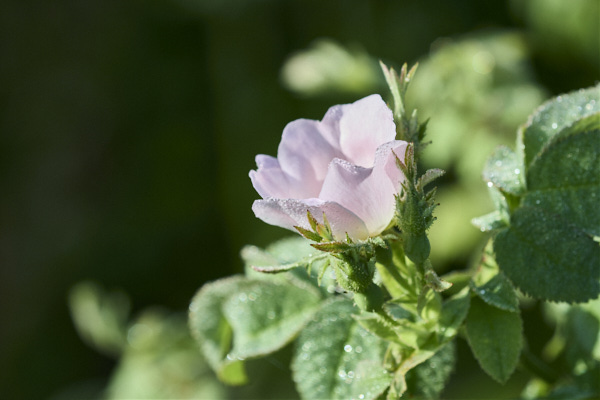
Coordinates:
<point>343,166</point>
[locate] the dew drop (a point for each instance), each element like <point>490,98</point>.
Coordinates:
<point>342,373</point>
<point>358,349</point>
<point>323,370</point>
<point>482,291</point>
<point>490,184</point>
<point>271,314</point>
<point>243,297</point>
<point>554,125</point>
<point>347,348</point>
<point>517,171</point>
<point>361,396</point>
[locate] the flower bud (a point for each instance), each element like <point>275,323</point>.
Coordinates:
<point>416,247</point>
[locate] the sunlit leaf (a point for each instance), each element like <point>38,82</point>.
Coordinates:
<point>553,116</point>
<point>564,178</point>
<point>213,332</point>
<point>427,380</point>
<point>491,285</point>
<point>504,170</point>
<point>337,359</point>
<point>237,318</point>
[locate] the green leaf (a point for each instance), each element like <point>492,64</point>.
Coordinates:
<point>265,316</point>
<point>547,258</point>
<point>581,333</point>
<point>337,359</point>
<point>379,327</point>
<point>491,285</point>
<point>454,311</point>
<point>294,254</point>
<point>498,292</point>
<point>500,217</point>
<point>283,252</point>
<point>237,318</point>
<point>564,178</point>
<point>213,332</point>
<point>489,222</point>
<point>548,250</point>
<point>274,269</point>
<point>495,337</point>
<point>554,116</point>
<point>504,170</point>
<point>427,380</point>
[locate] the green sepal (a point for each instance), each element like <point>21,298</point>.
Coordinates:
<point>308,234</point>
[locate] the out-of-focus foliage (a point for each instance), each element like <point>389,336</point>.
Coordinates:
<point>327,68</point>
<point>100,318</point>
<point>564,36</point>
<point>127,129</point>
<point>477,90</point>
<point>157,357</point>
<point>574,348</point>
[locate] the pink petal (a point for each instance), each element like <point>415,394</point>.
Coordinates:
<point>364,126</point>
<point>269,180</point>
<point>364,191</point>
<point>304,155</point>
<point>288,213</point>
<point>330,125</point>
<point>385,160</point>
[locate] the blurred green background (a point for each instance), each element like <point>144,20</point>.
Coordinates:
<point>127,130</point>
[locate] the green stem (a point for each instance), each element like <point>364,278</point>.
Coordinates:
<point>393,280</point>
<point>538,367</point>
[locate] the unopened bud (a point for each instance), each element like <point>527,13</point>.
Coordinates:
<point>416,247</point>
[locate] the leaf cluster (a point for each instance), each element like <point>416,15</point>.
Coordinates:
<point>546,196</point>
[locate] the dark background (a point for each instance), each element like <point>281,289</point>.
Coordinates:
<point>127,130</point>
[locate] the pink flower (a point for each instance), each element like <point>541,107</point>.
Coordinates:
<point>342,166</point>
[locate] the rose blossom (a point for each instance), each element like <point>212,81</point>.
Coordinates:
<point>342,166</point>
